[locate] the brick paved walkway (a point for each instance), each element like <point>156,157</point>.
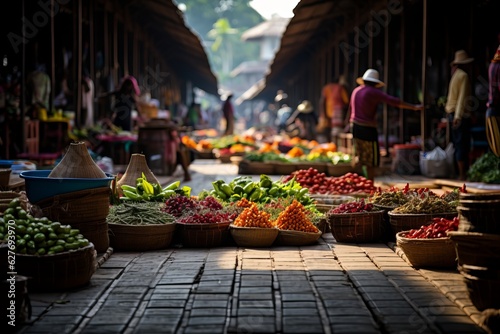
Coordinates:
<point>329,287</point>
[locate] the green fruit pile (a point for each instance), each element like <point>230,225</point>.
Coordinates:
<point>38,236</point>
<point>262,191</point>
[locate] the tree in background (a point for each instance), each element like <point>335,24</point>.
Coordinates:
<point>204,15</point>
<point>223,36</point>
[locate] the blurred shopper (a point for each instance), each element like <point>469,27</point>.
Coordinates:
<point>493,105</point>
<point>193,116</point>
<point>458,110</point>
<point>126,100</point>
<point>228,112</point>
<point>332,105</point>
<point>284,113</point>
<point>302,123</point>
<point>362,115</point>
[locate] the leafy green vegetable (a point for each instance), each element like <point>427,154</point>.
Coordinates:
<point>485,169</point>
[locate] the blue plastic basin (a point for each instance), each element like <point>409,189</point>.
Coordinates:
<point>39,186</point>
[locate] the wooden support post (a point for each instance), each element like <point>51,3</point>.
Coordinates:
<point>386,79</point>
<point>424,72</point>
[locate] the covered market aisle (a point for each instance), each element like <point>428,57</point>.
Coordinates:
<point>327,287</point>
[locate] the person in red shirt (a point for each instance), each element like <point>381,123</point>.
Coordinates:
<point>332,104</point>
<point>362,116</point>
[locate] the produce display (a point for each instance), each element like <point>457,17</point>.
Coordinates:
<point>485,169</point>
<point>201,211</point>
<point>38,236</point>
<point>353,207</point>
<point>319,183</point>
<point>428,204</point>
<point>139,213</point>
<point>252,216</point>
<point>262,191</point>
<point>437,229</point>
<point>295,218</point>
<point>146,191</point>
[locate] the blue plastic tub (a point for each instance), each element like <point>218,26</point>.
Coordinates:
<point>39,186</point>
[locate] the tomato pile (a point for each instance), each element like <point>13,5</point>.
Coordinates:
<point>437,229</point>
<point>253,217</point>
<point>353,207</point>
<point>319,183</point>
<point>294,217</point>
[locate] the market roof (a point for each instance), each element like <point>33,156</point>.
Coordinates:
<point>273,27</point>
<point>312,23</point>
<point>181,46</point>
<point>251,66</point>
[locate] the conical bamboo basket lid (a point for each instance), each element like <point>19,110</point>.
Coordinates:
<point>136,166</point>
<point>77,163</point>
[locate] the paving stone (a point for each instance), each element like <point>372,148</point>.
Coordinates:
<point>161,319</point>
<point>104,273</point>
<point>130,289</point>
<point>297,297</point>
<point>264,290</point>
<point>332,303</point>
<point>309,328</point>
<point>347,311</point>
<point>215,289</point>
<point>207,320</point>
<point>256,311</point>
<point>118,303</point>
<point>210,296</point>
<point>109,319</point>
<point>204,329</point>
<point>300,320</point>
<point>329,278</point>
<point>460,328</point>
<point>68,310</point>
<point>184,295</point>
<point>176,288</point>
<point>409,329</point>
<point>60,319</point>
<point>351,319</point>
<point>204,312</point>
<point>255,328</point>
<point>47,328</point>
<point>255,303</point>
<point>103,329</point>
<point>355,328</point>
<point>154,328</point>
<point>300,312</point>
<point>381,296</point>
<point>395,311</point>
<point>166,312</point>
<point>166,303</point>
<point>177,280</point>
<point>256,283</point>
<point>299,304</point>
<point>125,296</point>
<point>206,277</point>
<point>411,320</point>
<point>296,289</point>
<point>210,303</point>
<point>255,296</point>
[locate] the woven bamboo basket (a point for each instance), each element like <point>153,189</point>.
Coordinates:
<point>77,163</point>
<point>85,210</point>
<point>483,286</point>
<point>427,253</point>
<point>332,199</point>
<point>136,166</point>
<point>387,234</point>
<point>356,227</point>
<point>253,236</point>
<point>297,238</point>
<point>477,249</point>
<point>404,222</point>
<point>204,235</point>
<point>140,237</point>
<point>61,271</point>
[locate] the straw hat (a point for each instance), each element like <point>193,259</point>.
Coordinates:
<point>461,57</point>
<point>305,107</point>
<point>77,163</point>
<point>370,75</point>
<point>496,57</point>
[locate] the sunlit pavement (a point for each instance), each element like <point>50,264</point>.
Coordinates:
<point>328,287</point>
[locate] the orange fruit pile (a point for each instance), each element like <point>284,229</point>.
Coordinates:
<point>294,218</point>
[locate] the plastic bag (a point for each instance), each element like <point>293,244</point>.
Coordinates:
<point>436,163</point>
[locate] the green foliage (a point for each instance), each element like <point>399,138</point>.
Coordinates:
<point>485,169</point>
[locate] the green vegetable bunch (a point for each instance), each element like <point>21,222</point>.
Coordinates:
<point>152,192</point>
<point>485,169</point>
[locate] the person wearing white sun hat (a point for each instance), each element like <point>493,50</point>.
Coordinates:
<point>362,116</point>
<point>458,109</point>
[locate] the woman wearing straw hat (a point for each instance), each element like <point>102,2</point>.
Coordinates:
<point>302,123</point>
<point>493,111</point>
<point>458,110</point>
<point>362,115</point>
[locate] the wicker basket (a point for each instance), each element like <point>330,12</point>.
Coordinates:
<point>479,216</point>
<point>332,199</point>
<point>428,253</point>
<point>135,168</point>
<point>483,286</point>
<point>297,238</point>
<point>77,163</point>
<point>404,222</point>
<point>253,236</point>
<point>204,235</point>
<point>140,237</point>
<point>356,227</point>
<point>85,210</point>
<point>61,271</point>
<point>477,249</point>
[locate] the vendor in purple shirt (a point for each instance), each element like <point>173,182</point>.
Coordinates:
<point>362,116</point>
